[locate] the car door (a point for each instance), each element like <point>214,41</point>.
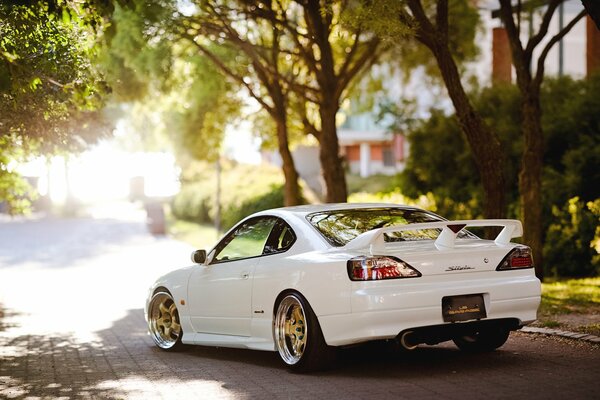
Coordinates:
<point>220,292</point>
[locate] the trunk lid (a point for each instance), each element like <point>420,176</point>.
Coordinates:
<point>467,256</point>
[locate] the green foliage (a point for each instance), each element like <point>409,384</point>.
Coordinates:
<point>137,56</point>
<point>149,64</point>
<point>442,206</point>
<point>438,145</point>
<point>384,18</point>
<point>440,162</point>
<point>272,198</point>
<point>572,238</point>
<point>371,184</point>
<point>209,108</point>
<point>571,123</point>
<point>50,92</point>
<point>245,189</point>
<point>46,73</point>
<point>14,190</point>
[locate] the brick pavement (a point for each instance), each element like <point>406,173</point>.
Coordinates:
<point>80,333</point>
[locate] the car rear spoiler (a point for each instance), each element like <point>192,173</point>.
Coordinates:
<point>375,241</point>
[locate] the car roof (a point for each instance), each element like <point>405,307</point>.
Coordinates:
<point>304,210</point>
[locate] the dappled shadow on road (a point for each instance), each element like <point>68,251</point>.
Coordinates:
<point>6,317</point>
<point>122,362</point>
<point>50,366</point>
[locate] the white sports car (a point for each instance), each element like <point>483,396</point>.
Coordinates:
<point>304,280</point>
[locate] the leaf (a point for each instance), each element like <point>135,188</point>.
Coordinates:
<point>34,83</point>
<point>66,16</point>
<point>10,57</point>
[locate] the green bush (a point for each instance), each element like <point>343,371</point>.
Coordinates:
<point>440,163</point>
<point>572,240</point>
<point>245,189</point>
<point>194,203</point>
<point>271,199</point>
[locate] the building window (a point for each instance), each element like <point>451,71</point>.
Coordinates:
<point>389,159</point>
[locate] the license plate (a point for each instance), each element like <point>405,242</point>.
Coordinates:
<point>463,308</point>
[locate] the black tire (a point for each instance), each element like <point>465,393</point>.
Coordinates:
<point>484,340</point>
<point>298,336</point>
<point>163,322</point>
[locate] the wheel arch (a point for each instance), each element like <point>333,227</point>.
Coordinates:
<point>284,293</point>
<point>161,289</point>
<point>281,296</point>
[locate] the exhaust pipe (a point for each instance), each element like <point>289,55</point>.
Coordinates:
<point>408,340</point>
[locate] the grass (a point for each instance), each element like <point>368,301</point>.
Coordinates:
<point>372,184</point>
<point>572,295</point>
<point>200,236</point>
<point>571,304</point>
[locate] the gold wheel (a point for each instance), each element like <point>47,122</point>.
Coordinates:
<point>163,321</point>
<point>291,329</point>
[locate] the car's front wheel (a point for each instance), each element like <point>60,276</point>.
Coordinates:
<point>298,336</point>
<point>163,321</point>
<point>487,339</point>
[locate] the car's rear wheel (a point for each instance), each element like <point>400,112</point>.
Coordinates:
<point>298,336</point>
<point>487,339</point>
<point>163,321</point>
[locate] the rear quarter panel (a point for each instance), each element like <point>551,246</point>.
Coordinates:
<point>321,278</point>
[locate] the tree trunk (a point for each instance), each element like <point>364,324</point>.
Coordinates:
<point>530,176</point>
<point>329,154</point>
<point>485,145</point>
<point>291,194</point>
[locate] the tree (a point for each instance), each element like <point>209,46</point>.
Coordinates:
<point>486,147</point>
<point>570,181</point>
<point>332,54</point>
<point>429,26</point>
<point>50,91</point>
<point>260,44</point>
<point>529,83</point>
<point>447,171</point>
<point>295,52</point>
<point>177,97</point>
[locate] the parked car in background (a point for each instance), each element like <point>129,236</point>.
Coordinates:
<point>306,280</point>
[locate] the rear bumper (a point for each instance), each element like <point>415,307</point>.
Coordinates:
<point>384,311</point>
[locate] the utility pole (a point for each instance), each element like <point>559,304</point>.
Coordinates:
<point>218,198</point>
<point>561,46</point>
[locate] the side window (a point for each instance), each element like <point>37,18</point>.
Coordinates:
<point>247,240</point>
<point>282,237</point>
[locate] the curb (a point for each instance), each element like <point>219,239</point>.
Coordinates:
<point>566,334</point>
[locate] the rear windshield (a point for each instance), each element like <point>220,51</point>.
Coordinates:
<point>341,226</point>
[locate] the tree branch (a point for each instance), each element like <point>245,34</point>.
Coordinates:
<point>367,58</point>
<point>537,38</point>
<point>514,39</point>
<point>307,92</point>
<point>539,74</point>
<point>441,19</point>
<point>350,54</point>
<point>295,34</point>
<point>424,30</point>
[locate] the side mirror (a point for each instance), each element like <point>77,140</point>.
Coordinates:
<point>199,256</point>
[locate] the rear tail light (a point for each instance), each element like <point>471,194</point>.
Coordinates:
<point>519,258</point>
<point>377,268</point>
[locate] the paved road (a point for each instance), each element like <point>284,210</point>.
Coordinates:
<point>72,326</point>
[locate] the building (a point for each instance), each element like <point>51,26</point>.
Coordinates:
<point>369,152</point>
